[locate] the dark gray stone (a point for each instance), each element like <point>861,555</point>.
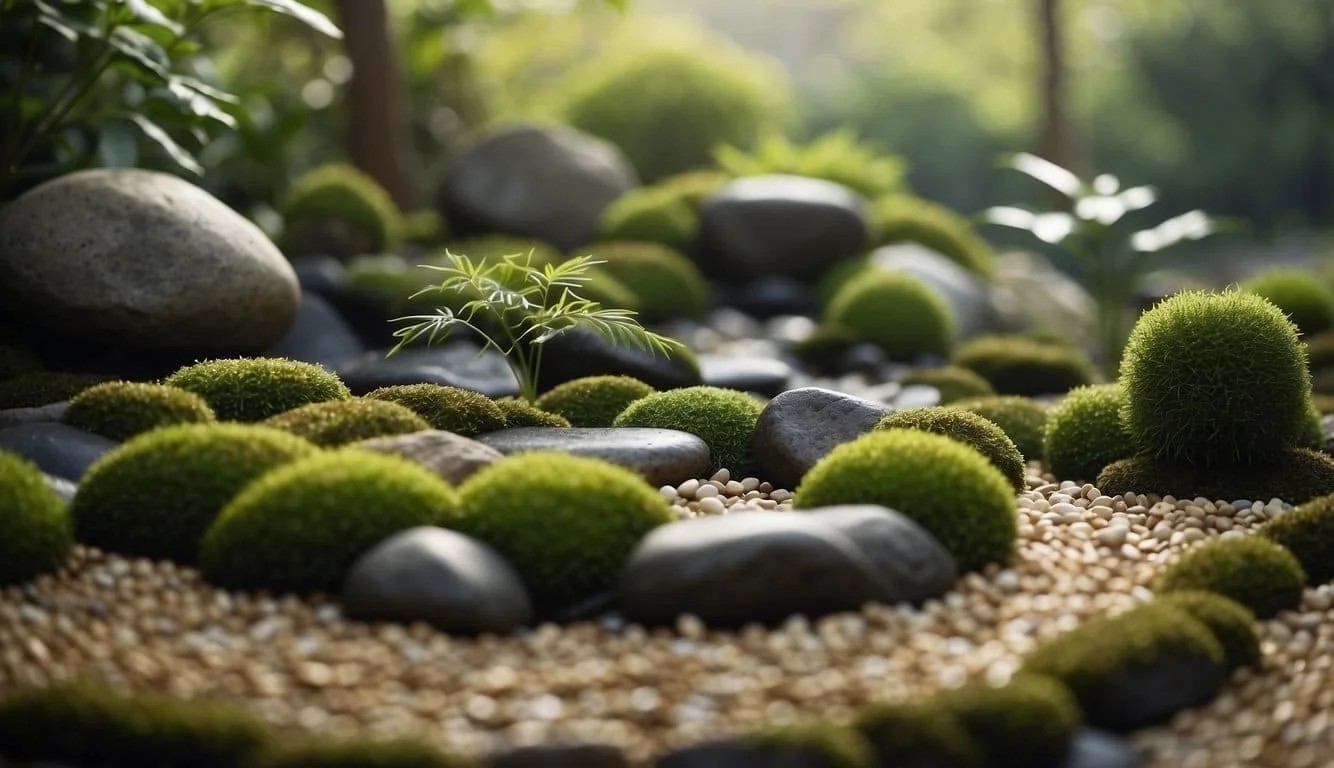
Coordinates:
<point>965,292</point>
<point>452,457</point>
<point>559,756</point>
<point>750,566</point>
<point>775,295</point>
<point>1092,748</point>
<point>798,427</point>
<point>763,375</point>
<point>550,183</point>
<point>41,414</point>
<point>901,550</point>
<point>780,225</point>
<point>576,354</point>
<point>1148,694</point>
<point>452,581</point>
<point>56,449</point>
<point>319,274</point>
<point>736,753</point>
<point>453,365</point>
<point>65,489</point>
<point>661,456</point>
<point>141,259</point>
<point>319,335</point>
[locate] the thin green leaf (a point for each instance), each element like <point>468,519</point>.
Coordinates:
<point>176,152</point>
<point>147,13</point>
<point>303,13</point>
<point>1048,173</point>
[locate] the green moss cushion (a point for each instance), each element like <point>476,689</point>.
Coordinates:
<point>1308,533</point>
<point>1232,624</point>
<point>37,531</point>
<point>953,383</point>
<point>917,733</point>
<point>1252,570</point>
<point>1023,419</point>
<point>157,494</point>
<point>342,422</point>
<point>1296,477</point>
<point>665,283</point>
<point>1084,434</point>
<point>946,487</point>
<point>521,413</point>
<point>451,409</point>
<point>723,418</point>
<point>594,401</point>
<point>1302,296</point>
<point>1016,365</point>
<point>651,215</point>
<point>253,389</point>
<point>902,218</point>
<point>31,390</point>
<point>902,314</point>
<point>337,210</point>
<point>968,428</point>
<point>122,409</point>
<point>1029,721</point>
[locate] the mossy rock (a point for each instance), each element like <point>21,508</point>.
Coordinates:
<point>1252,570</point>
<point>38,533</point>
<point>594,401</point>
<point>342,422</point>
<point>31,390</point>
<point>650,215</point>
<point>253,389</point>
<point>451,409</point>
<point>1029,721</point>
<point>723,418</point>
<point>1232,624</point>
<point>917,734</point>
<point>157,494</point>
<point>902,218</point>
<point>336,210</point>
<point>15,361</point>
<point>665,284</point>
<point>820,744</point>
<point>1214,379</point>
<point>301,527</point>
<point>1297,476</point>
<point>946,487</point>
<point>1308,533</point>
<point>1084,434</point>
<point>1016,365</point>
<point>521,413</point>
<point>360,753</point>
<point>1307,301</point>
<point>953,383</point>
<point>566,523</point>
<point>968,428</point>
<point>902,314</point>
<point>120,410</point>
<point>1023,419</point>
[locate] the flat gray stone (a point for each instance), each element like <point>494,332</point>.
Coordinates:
<point>661,456</point>
<point>319,335</point>
<point>800,426</point>
<point>766,376</point>
<point>1148,694</point>
<point>1092,748</point>
<point>56,449</point>
<point>456,364</point>
<point>452,457</point>
<point>41,414</point>
<point>578,353</point>
<point>901,550</point>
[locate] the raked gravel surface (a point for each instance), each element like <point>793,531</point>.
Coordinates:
<point>298,664</point>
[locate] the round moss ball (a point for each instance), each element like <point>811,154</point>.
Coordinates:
<point>1297,476</point>
<point>917,734</point>
<point>1214,378</point>
<point>665,283</point>
<point>340,422</point>
<point>1023,419</point>
<point>953,383</point>
<point>903,315</point>
<point>337,210</point>
<point>566,523</point>
<point>1029,721</point>
<point>1017,365</point>
<point>1307,301</point>
<point>1307,531</point>
<point>1232,624</point>
<point>651,215</point>
<point>1083,433</point>
<point>360,753</point>
<point>1252,570</point>
<point>301,527</point>
<point>968,428</point>
<point>822,744</point>
<point>521,413</point>
<point>44,387</point>
<point>594,401</point>
<point>157,494</point>
<point>723,418</point>
<point>903,218</point>
<point>122,409</point>
<point>38,536</point>
<point>451,409</point>
<point>253,389</point>
<point>948,488</point>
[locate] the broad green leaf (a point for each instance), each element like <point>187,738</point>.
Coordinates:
<point>1192,225</point>
<point>176,152</point>
<point>1048,173</point>
<point>303,13</point>
<point>142,49</point>
<point>147,13</point>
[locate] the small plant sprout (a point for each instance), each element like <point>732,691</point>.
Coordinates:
<point>516,308</point>
<point>1089,232</point>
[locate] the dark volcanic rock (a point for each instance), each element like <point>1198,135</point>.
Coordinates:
<point>798,427</point>
<point>661,456</point>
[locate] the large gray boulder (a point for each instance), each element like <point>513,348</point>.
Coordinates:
<point>145,260</point>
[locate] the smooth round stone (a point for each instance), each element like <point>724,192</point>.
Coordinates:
<point>1151,693</point>
<point>766,376</point>
<point>661,456</point>
<point>454,365</point>
<point>752,566</point>
<point>1092,748</point>
<point>56,449</point>
<point>798,427</point>
<point>966,293</point>
<point>559,756</point>
<point>736,753</point>
<point>41,414</point>
<point>319,274</point>
<point>142,259</point>
<point>453,457</point>
<point>901,550</point>
<point>319,335</point>
<point>579,353</point>
<point>773,296</point>
<point>438,576</point>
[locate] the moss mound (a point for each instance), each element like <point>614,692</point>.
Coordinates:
<point>902,314</point>
<point>87,724</point>
<point>1252,570</point>
<point>1232,624</point>
<point>722,418</point>
<point>1214,379</point>
<point>122,409</point>
<point>45,387</point>
<point>902,218</point>
<point>1029,721</point>
<point>968,428</point>
<point>521,413</point>
<point>1313,432</point>
<point>1306,300</point>
<point>1297,476</point>
<point>360,753</point>
<point>1083,433</point>
<point>946,487</point>
<point>426,228</point>
<point>1308,533</point>
<point>451,409</point>
<point>1017,365</point>
<point>157,494</point>
<point>300,527</point>
<point>650,215</point>
<point>566,523</point>
<point>337,210</point>
<point>253,389</point>
<point>38,534</point>
<point>1024,420</point>
<point>665,284</point>
<point>917,735</point>
<point>341,422</point>
<point>16,362</point>
<point>594,401</point>
<point>953,383</point>
<point>819,744</point>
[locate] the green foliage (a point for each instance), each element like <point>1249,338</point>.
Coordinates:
<point>17,362</point>
<point>723,418</point>
<point>122,409</point>
<point>38,534</point>
<point>1015,365</point>
<point>692,187</point>
<point>1307,301</point>
<point>1296,476</point>
<point>838,156</point>
<point>425,228</point>
<point>452,409</point>
<point>902,314</point>
<point>1252,570</point>
<point>1023,419</point>
<point>1308,533</point>
<point>903,218</point>
<point>917,734</point>
<point>253,389</point>
<point>566,523</point>
<point>301,527</point>
<point>946,487</point>
<point>336,210</point>
<point>953,383</point>
<point>1232,624</point>
<point>1029,721</point>
<point>44,387</point>
<point>664,283</point>
<point>360,753</point>
<point>521,413</point>
<point>157,494</point>
<point>1214,379</point>
<point>593,401</point>
<point>1084,433</point>
<point>653,215</point>
<point>968,428</point>
<point>341,422</point>
<point>818,743</point>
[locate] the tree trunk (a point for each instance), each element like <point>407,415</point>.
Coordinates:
<point>1056,141</point>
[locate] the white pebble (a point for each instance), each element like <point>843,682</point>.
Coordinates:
<point>712,505</point>
<point>668,492</point>
<point>1112,535</point>
<point>722,475</point>
<point>706,491</point>
<point>688,488</point>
